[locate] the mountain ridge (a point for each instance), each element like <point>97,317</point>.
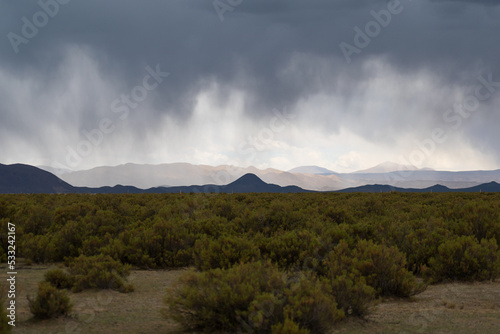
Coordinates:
<point>19,178</point>
<point>185,174</point>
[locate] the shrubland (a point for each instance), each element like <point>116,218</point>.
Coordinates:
<point>262,261</point>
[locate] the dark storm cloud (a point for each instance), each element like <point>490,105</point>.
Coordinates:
<point>278,52</point>
<point>257,38</point>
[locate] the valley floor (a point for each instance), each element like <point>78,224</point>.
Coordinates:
<point>445,308</point>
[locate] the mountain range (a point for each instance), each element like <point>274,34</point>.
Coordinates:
<point>19,178</point>
<point>306,177</point>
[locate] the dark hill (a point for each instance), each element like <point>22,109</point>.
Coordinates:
<point>486,187</point>
<point>377,188</point>
<point>251,183</point>
<point>19,178</point>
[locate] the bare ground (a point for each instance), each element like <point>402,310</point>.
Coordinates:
<point>445,308</point>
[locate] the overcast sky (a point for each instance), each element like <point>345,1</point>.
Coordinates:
<point>341,84</point>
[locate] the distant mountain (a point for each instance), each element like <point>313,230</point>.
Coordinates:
<point>184,174</point>
<point>28,179</point>
<point>387,167</point>
<point>248,183</point>
<point>163,175</point>
<point>19,178</point>
<point>55,171</point>
<point>251,183</point>
<point>422,178</point>
<point>378,188</point>
<point>311,170</point>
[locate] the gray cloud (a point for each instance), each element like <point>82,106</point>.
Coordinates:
<point>280,53</point>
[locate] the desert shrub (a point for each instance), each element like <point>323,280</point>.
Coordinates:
<point>288,327</point>
<point>465,259</point>
<point>167,242</point>
<point>49,302</point>
<point>223,208</point>
<point>339,216</point>
<point>352,294</point>
<point>254,296</point>
<point>382,267</point>
<point>290,249</point>
<point>37,248</point>
<point>310,304</point>
<point>215,299</point>
<point>67,241</point>
<point>59,279</point>
<point>421,245</point>
<point>101,272</point>
<point>224,252</point>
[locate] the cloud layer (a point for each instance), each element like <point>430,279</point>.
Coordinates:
<point>76,93</point>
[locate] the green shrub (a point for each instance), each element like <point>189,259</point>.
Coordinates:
<point>224,252</point>
<point>251,297</point>
<point>59,279</point>
<point>288,327</point>
<point>383,268</point>
<point>38,248</point>
<point>352,294</point>
<point>290,249</point>
<point>215,300</point>
<point>464,259</point>
<point>101,272</point>
<point>310,304</point>
<point>49,302</point>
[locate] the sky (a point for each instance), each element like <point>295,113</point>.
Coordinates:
<point>340,84</point>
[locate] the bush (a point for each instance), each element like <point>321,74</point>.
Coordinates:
<point>49,302</point>
<point>352,294</point>
<point>215,300</point>
<point>251,297</point>
<point>224,252</point>
<point>464,259</point>
<point>288,327</point>
<point>310,304</point>
<point>383,268</point>
<point>101,272</point>
<point>59,279</point>
<point>290,249</point>
<point>38,248</point>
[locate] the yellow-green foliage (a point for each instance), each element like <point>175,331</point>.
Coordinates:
<point>59,279</point>
<point>352,293</point>
<point>311,304</point>
<point>216,299</point>
<point>101,272</point>
<point>464,258</point>
<point>49,302</point>
<point>293,230</point>
<point>254,296</point>
<point>359,246</point>
<point>288,327</point>
<point>224,252</point>
<point>290,249</point>
<point>383,268</point>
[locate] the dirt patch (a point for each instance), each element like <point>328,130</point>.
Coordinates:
<point>445,308</point>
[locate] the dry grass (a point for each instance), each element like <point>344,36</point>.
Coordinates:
<point>100,311</point>
<point>445,308</point>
